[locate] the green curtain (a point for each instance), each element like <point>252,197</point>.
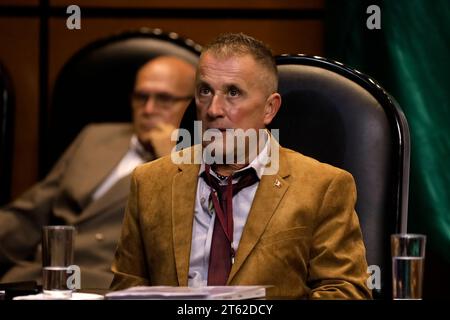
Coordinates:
<point>409,56</point>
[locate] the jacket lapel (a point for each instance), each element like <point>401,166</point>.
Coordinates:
<point>184,190</point>
<point>270,191</point>
<point>114,197</point>
<point>110,153</point>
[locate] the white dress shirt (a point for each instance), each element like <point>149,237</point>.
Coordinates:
<point>204,218</point>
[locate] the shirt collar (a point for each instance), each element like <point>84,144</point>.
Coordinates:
<point>259,163</point>
<point>137,147</point>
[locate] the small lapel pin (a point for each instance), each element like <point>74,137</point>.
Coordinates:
<point>277,183</point>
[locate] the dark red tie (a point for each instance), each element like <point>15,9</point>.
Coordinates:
<point>222,253</point>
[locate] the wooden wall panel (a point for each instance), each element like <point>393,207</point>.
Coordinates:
<point>20,44</point>
<point>283,36</point>
<point>204,4</point>
<point>19,51</point>
<point>19,3</point>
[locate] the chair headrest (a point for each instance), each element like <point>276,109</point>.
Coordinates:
<point>95,84</point>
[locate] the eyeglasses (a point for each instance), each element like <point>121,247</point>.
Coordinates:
<point>140,99</point>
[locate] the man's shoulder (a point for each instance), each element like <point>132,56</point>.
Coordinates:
<point>103,129</point>
<point>300,163</point>
<point>165,166</point>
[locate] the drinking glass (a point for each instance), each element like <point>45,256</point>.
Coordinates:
<point>408,259</point>
<point>57,257</point>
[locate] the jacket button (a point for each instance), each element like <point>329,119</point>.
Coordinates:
<point>99,236</point>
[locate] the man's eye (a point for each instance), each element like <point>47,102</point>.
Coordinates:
<point>164,98</point>
<point>204,91</point>
<point>139,97</point>
<point>234,92</point>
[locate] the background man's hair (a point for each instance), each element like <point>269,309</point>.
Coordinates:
<point>239,44</point>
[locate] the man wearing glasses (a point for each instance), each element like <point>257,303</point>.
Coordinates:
<point>89,185</point>
<point>163,89</point>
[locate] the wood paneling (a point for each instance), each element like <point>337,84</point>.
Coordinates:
<point>19,49</point>
<point>19,52</point>
<point>283,36</point>
<point>204,4</point>
<point>19,3</point>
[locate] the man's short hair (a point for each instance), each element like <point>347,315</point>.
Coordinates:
<point>239,44</point>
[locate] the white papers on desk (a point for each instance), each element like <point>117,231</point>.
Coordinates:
<point>189,293</point>
<point>75,296</point>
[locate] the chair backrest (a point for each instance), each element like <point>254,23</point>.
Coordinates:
<point>95,84</point>
<point>343,117</point>
<point>6,134</point>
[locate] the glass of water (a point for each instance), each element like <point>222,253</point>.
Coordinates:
<point>408,260</point>
<point>57,257</point>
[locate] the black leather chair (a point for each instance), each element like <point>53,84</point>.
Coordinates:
<point>343,117</point>
<point>6,134</point>
<point>96,83</point>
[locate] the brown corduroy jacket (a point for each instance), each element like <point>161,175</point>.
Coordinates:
<point>302,235</point>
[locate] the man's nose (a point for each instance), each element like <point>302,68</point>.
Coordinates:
<point>216,108</point>
<point>150,105</point>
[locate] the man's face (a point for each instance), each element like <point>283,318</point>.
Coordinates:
<point>161,95</point>
<point>231,93</point>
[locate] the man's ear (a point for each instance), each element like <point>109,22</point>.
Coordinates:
<point>273,104</point>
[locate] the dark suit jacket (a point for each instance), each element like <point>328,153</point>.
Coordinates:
<point>302,235</point>
<point>64,197</point>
